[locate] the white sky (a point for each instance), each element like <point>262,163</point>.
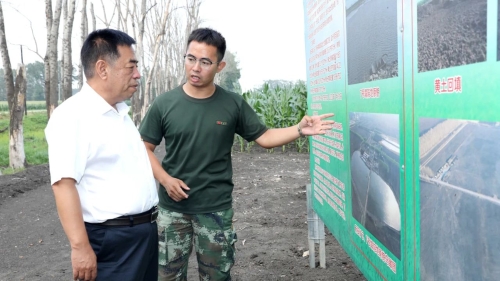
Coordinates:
<point>266,35</point>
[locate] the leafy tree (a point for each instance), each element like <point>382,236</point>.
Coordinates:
<point>229,77</point>
<point>36,81</point>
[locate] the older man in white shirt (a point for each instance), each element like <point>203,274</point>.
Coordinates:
<point>101,176</point>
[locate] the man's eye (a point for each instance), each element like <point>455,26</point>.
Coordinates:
<point>191,59</point>
<point>205,63</point>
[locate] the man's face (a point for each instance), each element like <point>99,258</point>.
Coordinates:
<point>201,64</point>
<point>123,74</point>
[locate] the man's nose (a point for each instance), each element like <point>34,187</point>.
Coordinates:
<point>136,75</point>
<point>197,65</point>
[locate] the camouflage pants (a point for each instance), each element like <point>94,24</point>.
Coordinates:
<point>214,239</point>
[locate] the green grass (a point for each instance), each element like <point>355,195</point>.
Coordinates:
<point>32,105</point>
<point>10,171</point>
<point>35,145</point>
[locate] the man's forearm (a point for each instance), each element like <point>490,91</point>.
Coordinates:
<point>278,137</point>
<point>158,172</point>
<point>70,212</point>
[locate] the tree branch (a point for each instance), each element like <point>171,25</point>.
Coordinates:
<point>29,49</point>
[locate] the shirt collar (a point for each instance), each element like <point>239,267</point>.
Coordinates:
<point>99,105</point>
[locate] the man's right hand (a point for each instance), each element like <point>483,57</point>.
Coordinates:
<point>175,188</point>
<point>84,264</point>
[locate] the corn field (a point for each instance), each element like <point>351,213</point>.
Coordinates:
<point>278,107</point>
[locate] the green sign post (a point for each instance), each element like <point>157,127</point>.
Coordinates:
<point>408,181</point>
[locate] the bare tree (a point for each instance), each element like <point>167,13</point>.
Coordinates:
<point>179,30</point>
<point>157,45</point>
<point>124,18</point>
<point>193,16</point>
<point>160,29</point>
<point>16,94</point>
<point>67,67</point>
<point>174,50</point>
<point>84,30</point>
<point>105,20</point>
<point>50,60</point>
<point>35,50</point>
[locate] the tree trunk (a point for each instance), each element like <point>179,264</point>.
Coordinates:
<point>9,80</point>
<point>17,158</point>
<point>48,25</point>
<point>46,89</point>
<point>84,30</point>
<point>16,97</point>
<point>50,61</point>
<point>137,98</point>
<point>60,77</point>
<point>93,16</point>
<point>67,77</point>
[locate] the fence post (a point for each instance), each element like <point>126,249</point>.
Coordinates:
<point>316,233</point>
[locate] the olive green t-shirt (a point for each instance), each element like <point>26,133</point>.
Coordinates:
<point>199,134</point>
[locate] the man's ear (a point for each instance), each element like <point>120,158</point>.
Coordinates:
<point>221,66</point>
<point>101,69</point>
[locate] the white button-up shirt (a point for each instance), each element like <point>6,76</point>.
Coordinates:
<point>102,150</point>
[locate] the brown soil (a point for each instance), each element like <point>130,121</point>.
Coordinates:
<point>270,219</point>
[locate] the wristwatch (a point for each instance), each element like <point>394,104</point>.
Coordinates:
<point>300,131</point>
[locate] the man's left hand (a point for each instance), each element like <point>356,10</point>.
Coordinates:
<point>316,125</point>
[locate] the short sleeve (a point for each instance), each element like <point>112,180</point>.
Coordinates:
<point>249,125</point>
<point>68,147</point>
<point>151,127</point>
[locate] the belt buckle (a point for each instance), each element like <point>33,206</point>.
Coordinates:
<point>154,215</point>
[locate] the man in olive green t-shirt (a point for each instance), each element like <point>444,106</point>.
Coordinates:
<point>198,121</point>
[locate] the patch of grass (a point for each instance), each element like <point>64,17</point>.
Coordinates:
<point>4,106</point>
<point>35,145</point>
<point>10,171</point>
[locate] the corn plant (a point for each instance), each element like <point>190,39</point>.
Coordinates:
<point>280,106</point>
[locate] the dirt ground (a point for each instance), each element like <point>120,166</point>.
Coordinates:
<point>270,219</point>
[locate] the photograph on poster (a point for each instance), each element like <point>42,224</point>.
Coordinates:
<point>450,33</point>
<point>459,199</point>
<point>372,40</point>
<point>375,174</point>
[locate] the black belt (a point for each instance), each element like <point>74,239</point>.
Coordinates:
<point>131,220</point>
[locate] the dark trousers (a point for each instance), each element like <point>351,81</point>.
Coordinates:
<point>124,252</point>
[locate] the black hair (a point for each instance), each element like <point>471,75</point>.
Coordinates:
<point>209,37</point>
<point>102,44</point>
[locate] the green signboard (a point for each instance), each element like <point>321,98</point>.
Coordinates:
<point>408,180</point>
